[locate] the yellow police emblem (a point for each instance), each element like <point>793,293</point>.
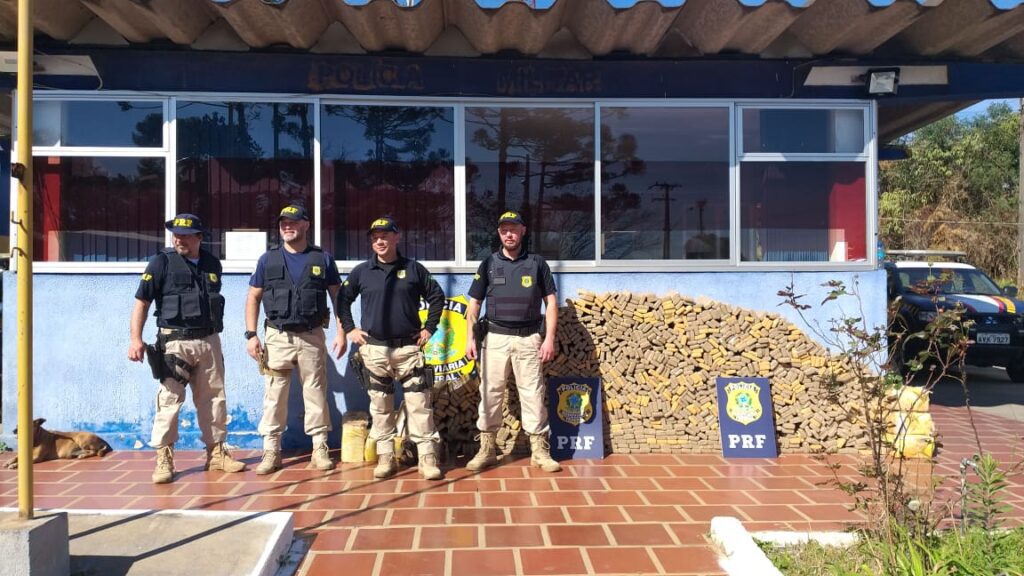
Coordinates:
<point>401,274</point>
<point>289,210</point>
<point>213,277</point>
<point>315,270</point>
<point>509,215</point>
<point>476,276</point>
<point>527,281</point>
<point>183,222</point>
<point>380,222</point>
<point>574,406</point>
<point>345,283</point>
<point>743,402</point>
<point>146,277</point>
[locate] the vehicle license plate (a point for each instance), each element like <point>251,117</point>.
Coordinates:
<point>992,338</point>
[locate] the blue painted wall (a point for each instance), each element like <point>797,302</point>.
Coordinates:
<point>83,379</point>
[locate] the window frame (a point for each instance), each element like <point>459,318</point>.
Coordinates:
<point>170,99</point>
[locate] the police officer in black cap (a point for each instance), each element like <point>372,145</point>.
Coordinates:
<point>292,281</point>
<point>390,339</point>
<point>515,283</point>
<point>185,282</point>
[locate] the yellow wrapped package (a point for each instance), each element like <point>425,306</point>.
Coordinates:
<point>370,449</point>
<point>911,423</point>
<point>910,399</point>
<point>353,436</point>
<point>912,446</point>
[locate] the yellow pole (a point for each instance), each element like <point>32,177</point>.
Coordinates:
<point>23,171</point>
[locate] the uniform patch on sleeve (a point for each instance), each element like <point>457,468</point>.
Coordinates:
<point>476,276</point>
<point>213,277</point>
<point>146,277</point>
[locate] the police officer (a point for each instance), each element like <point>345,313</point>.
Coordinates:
<point>514,282</point>
<point>292,281</point>
<point>185,282</point>
<point>390,338</point>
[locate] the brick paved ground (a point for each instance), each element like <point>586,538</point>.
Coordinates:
<point>623,514</point>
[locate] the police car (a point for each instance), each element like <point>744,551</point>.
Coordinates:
<point>924,281</point>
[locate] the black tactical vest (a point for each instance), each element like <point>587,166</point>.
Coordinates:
<point>183,293</point>
<point>288,304</point>
<point>514,293</point>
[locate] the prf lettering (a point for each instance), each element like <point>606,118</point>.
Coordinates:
<point>747,440</point>
<point>575,442</point>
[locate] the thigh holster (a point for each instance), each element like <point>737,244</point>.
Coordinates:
<point>380,383</point>
<point>425,374</point>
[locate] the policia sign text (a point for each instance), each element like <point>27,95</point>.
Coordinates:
<point>446,349</point>
<point>745,417</point>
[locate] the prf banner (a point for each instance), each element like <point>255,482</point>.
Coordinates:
<point>574,413</point>
<point>745,417</point>
<point>446,349</point>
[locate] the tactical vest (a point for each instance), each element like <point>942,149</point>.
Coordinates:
<point>182,294</point>
<point>288,304</point>
<point>514,293</point>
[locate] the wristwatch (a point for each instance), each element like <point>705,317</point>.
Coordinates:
<point>249,335</point>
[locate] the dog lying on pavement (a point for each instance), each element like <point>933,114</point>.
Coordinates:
<point>53,445</point>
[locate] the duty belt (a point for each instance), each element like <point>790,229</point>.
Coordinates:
<point>291,327</point>
<point>172,334</point>
<point>524,331</point>
<point>392,342</point>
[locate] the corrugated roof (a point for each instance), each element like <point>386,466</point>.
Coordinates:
<point>548,28</point>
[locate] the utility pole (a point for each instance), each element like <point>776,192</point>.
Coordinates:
<point>666,226</point>
<point>1020,195</point>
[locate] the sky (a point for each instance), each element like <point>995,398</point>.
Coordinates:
<point>980,107</point>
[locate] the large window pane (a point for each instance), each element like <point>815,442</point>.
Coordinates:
<point>818,131</point>
<point>539,161</point>
<point>664,183</point>
<point>388,160</point>
<point>803,211</point>
<point>98,123</point>
<point>239,163</point>
<point>97,209</point>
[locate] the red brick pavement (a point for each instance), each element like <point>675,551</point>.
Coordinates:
<point>624,514</point>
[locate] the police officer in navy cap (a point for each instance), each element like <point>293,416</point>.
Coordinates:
<point>292,281</point>
<point>390,339</point>
<point>514,283</point>
<point>185,283</point>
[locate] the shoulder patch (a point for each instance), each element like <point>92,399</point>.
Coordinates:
<point>345,283</point>
<point>146,277</point>
<point>213,277</point>
<point>476,276</point>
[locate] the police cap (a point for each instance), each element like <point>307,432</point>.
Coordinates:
<point>384,224</point>
<point>185,224</point>
<point>293,212</point>
<point>511,217</point>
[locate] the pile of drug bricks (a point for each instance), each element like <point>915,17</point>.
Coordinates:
<point>658,358</point>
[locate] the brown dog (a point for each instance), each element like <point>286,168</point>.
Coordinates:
<point>52,445</point>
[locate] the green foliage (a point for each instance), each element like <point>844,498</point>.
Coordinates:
<point>976,553</point>
<point>957,191</point>
<point>983,502</point>
<point>3,447</point>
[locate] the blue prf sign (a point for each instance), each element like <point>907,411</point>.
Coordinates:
<point>746,418</point>
<point>574,414</point>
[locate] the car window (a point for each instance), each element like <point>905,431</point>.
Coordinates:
<point>949,280</point>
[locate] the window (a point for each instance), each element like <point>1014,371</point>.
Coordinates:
<point>89,209</point>
<point>803,186</point>
<point>98,123</point>
<point>239,163</point>
<point>803,212</point>
<point>540,162</point>
<point>388,161</point>
<point>652,185</point>
<point>664,183</point>
<point>803,130</point>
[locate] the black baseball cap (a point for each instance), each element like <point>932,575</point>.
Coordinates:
<point>293,212</point>
<point>185,224</point>
<point>512,217</point>
<point>384,224</point>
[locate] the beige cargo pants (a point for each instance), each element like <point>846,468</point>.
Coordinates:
<point>286,351</point>
<point>207,381</point>
<point>522,354</point>
<point>397,363</point>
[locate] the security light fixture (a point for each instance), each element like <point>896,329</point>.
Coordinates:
<point>883,81</point>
